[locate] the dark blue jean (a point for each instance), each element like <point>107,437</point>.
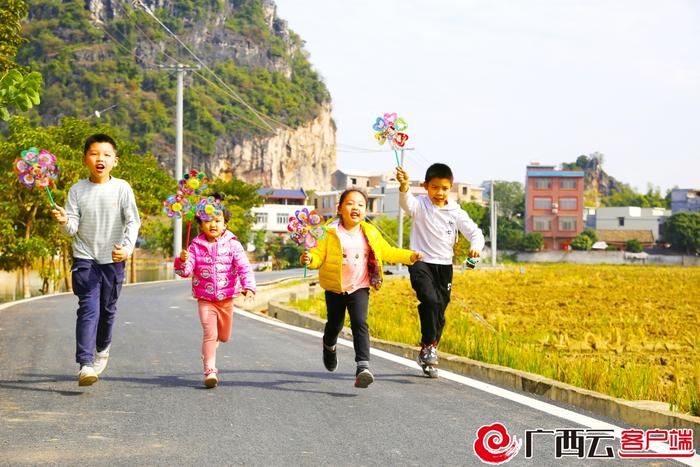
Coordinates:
<point>97,287</point>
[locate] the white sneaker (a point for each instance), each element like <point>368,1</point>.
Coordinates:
<point>87,376</point>
<point>101,359</point>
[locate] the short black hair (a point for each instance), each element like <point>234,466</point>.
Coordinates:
<point>439,170</point>
<point>221,197</point>
<point>98,138</point>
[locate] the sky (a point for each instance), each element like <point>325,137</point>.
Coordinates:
<point>487,86</point>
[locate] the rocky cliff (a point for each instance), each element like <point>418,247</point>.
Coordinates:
<point>98,53</point>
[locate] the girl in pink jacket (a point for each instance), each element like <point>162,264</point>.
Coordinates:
<point>217,262</point>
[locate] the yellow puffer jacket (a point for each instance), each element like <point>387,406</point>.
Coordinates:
<point>328,255</point>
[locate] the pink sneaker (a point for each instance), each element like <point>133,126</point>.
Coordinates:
<point>210,379</point>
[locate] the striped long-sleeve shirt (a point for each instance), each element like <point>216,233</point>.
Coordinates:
<point>99,216</point>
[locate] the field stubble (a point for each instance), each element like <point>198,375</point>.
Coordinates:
<point>628,331</point>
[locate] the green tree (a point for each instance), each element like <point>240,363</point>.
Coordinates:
<point>28,233</point>
<point>19,89</point>
<point>682,230</point>
<point>476,211</point>
<point>510,197</point>
<point>389,227</point>
<point>532,242</point>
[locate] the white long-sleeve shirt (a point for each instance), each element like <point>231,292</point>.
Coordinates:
<point>434,229</point>
<point>99,216</point>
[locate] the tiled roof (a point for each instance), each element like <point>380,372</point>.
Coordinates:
<point>617,236</point>
<point>281,193</point>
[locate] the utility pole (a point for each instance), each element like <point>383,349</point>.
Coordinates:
<point>494,226</point>
<point>181,70</point>
<point>399,266</point>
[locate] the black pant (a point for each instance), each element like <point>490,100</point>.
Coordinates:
<point>433,284</point>
<point>357,304</point>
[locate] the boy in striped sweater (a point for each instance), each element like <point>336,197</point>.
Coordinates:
<point>102,217</point>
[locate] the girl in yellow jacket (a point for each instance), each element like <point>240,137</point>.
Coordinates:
<point>350,257</point>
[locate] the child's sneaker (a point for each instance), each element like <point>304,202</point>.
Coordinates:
<point>430,371</point>
<point>86,376</point>
<point>427,355</point>
<point>210,379</point>
<point>330,358</point>
<point>101,359</point>
<point>363,378</point>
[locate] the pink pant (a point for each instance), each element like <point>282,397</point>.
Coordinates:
<point>216,319</point>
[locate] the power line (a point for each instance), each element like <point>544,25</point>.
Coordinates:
<point>204,65</point>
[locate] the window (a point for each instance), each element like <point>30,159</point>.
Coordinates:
<point>282,217</point>
<point>261,217</point>
<point>567,184</point>
<point>543,203</point>
<point>542,223</point>
<point>464,190</point>
<point>353,181</point>
<point>567,203</point>
<point>621,221</point>
<point>543,183</point>
<point>315,203</point>
<point>367,182</point>
<point>567,224</point>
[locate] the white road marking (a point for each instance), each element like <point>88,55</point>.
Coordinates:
<point>529,402</point>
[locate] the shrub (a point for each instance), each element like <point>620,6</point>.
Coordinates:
<point>582,242</point>
<point>634,246</point>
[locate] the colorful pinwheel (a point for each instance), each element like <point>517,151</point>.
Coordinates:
<point>37,169</point>
<point>390,128</point>
<point>207,208</point>
<point>306,228</point>
<point>183,204</point>
<point>177,206</point>
<point>193,183</point>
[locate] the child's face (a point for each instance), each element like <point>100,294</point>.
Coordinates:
<point>214,228</point>
<point>100,159</point>
<point>438,190</point>
<point>352,211</point>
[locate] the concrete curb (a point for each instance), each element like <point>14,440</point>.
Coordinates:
<point>643,414</point>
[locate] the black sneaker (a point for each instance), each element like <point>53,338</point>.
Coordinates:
<point>330,358</point>
<point>363,378</point>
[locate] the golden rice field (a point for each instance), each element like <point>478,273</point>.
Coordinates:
<point>627,331</point>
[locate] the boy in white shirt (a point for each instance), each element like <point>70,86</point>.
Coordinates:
<point>435,222</point>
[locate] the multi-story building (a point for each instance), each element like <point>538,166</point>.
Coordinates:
<point>685,200</point>
<point>554,204</point>
<point>273,216</point>
<point>629,218</point>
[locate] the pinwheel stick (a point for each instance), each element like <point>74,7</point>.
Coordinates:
<point>306,250</point>
<point>50,197</point>
<point>396,154</point>
<point>187,241</point>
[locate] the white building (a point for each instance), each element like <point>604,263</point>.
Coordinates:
<point>627,218</point>
<point>280,205</point>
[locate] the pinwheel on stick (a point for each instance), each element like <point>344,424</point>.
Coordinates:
<point>306,228</point>
<point>37,168</point>
<point>391,128</point>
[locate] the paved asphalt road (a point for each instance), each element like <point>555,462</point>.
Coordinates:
<point>276,404</point>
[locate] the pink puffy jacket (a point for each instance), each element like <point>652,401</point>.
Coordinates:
<point>218,267</point>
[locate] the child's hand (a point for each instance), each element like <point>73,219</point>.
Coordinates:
<point>248,294</point>
<point>119,253</point>
<point>305,258</point>
<point>402,178</point>
<point>416,256</point>
<point>473,254</point>
<point>184,255</point>
<point>60,215</point>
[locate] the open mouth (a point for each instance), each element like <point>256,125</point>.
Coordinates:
<point>100,166</point>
